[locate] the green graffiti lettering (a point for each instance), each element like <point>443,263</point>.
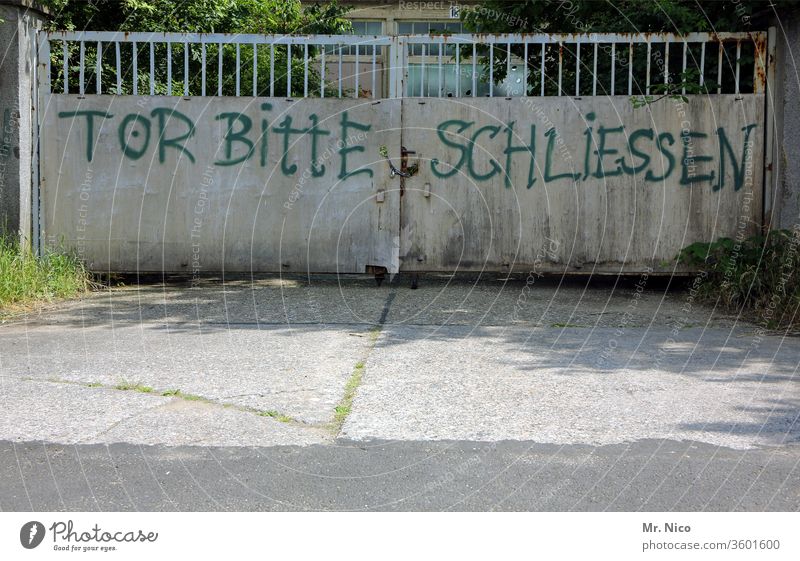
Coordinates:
<point>315,131</point>
<point>124,138</point>
<point>264,135</point>
<point>441,130</point>
<point>548,160</point>
<point>649,176</point>
<point>635,152</point>
<point>495,130</point>
<point>162,113</point>
<point>689,160</point>
<point>512,149</point>
<point>285,128</point>
<point>588,149</point>
<point>602,152</point>
<point>346,125</point>
<point>738,168</point>
<point>90,115</point>
<point>232,137</point>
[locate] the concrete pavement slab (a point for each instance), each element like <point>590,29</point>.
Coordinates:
<point>299,371</point>
<point>484,358</point>
<point>73,414</point>
<point>579,386</point>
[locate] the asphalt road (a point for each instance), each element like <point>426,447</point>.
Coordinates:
<point>649,475</point>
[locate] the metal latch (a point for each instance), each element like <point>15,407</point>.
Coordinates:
<point>405,170</point>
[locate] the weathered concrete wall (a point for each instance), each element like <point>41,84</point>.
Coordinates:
<point>18,23</point>
<point>787,122</point>
<point>564,184</point>
<point>212,184</point>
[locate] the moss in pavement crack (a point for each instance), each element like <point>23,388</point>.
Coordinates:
<point>178,394</point>
<point>345,405</point>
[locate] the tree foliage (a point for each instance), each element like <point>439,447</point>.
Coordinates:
<point>199,16</point>
<point>619,16</point>
<point>279,17</point>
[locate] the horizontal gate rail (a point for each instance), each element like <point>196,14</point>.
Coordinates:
<point>371,66</point>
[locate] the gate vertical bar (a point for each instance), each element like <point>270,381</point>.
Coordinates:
<point>152,69</point>
<point>255,69</point>
<point>374,72</point>
<point>99,67</point>
<point>135,57</point>
<point>169,68</point>
<point>186,68</point>
<point>66,65</point>
<point>524,70</point>
<point>613,66</point>
<point>81,74</point>
<point>322,71</point>
<point>203,67</point>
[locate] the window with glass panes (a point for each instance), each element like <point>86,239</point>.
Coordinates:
<point>426,27</point>
<point>364,28</point>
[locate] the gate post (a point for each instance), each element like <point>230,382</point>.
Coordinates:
<point>398,52</point>
<point>19,22</point>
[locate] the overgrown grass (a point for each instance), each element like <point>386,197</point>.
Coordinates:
<point>757,276</point>
<point>26,279</point>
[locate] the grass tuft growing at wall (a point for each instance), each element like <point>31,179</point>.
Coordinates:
<point>758,276</point>
<point>27,279</point>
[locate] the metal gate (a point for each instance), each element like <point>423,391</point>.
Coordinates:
<point>208,152</point>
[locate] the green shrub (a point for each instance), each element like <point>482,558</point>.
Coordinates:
<point>26,278</point>
<point>759,274</point>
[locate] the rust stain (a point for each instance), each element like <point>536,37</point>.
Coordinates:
<point>760,45</point>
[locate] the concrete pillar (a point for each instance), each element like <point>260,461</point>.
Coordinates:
<point>786,159</point>
<point>19,20</point>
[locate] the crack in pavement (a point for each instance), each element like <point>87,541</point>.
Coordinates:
<point>118,422</point>
<point>345,405</point>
